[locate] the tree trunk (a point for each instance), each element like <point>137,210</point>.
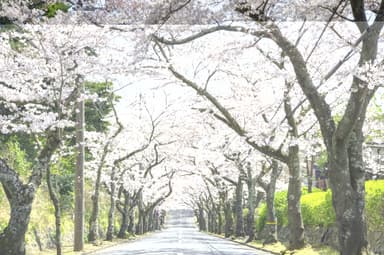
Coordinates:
<point>295,221</point>
<point>348,197</point>
<point>271,224</point>
<point>156,220</point>
<point>163,213</point>
<point>201,218</point>
<point>111,213</point>
<point>310,162</point>
<point>209,218</point>
<point>20,197</point>
<point>346,170</point>
<point>228,230</point>
<point>131,226</point>
<point>12,239</point>
<point>145,221</point>
<point>140,224</point>
<point>344,156</point>
<point>219,219</point>
<point>93,234</point>
<point>124,215</point>
<point>37,238</point>
<point>238,209</point>
<point>56,205</point>
<point>251,184</point>
<point>150,220</point>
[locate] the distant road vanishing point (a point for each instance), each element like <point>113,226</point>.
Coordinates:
<point>181,237</point>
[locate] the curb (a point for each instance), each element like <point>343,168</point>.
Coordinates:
<point>244,244</point>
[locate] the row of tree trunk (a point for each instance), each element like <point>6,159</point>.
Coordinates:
<point>225,214</point>
<point>136,217</point>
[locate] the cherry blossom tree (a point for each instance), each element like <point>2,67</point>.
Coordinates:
<point>336,137</point>
<point>40,102</point>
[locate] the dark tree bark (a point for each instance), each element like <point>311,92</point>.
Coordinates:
<point>20,197</point>
<point>228,229</point>
<point>226,223</point>
<point>269,188</point>
<point>112,206</point>
<point>219,219</point>
<point>201,217</point>
<point>310,162</point>
<point>295,221</point>
<point>125,211</point>
<point>37,238</point>
<point>150,219</point>
<point>146,212</point>
<point>213,210</point>
<point>238,208</point>
<point>251,184</point>
<point>343,141</point>
<point>140,207</point>
<point>93,234</point>
<point>131,226</point>
<point>56,205</point>
<point>156,216</point>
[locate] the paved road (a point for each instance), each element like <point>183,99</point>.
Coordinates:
<point>181,237</point>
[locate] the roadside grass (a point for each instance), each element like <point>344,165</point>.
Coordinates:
<point>307,250</point>
<point>281,248</point>
<point>89,248</point>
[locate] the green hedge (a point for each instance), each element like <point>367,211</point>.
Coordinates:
<point>374,204</point>
<point>317,207</point>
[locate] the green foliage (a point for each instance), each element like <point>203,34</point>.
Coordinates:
<point>96,112</point>
<point>17,44</point>
<point>281,208</point>
<point>261,218</point>
<point>317,209</point>
<point>63,180</point>
<point>52,9</point>
<point>374,206</point>
<point>337,118</point>
<point>90,51</point>
<point>304,191</point>
<point>322,160</point>
<point>245,212</point>
<point>6,24</point>
<point>16,157</point>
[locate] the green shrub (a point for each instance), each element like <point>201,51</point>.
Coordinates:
<point>281,208</point>
<point>317,210</point>
<point>53,8</point>
<point>16,157</point>
<point>374,205</point>
<point>280,211</point>
<point>245,212</point>
<point>261,217</point>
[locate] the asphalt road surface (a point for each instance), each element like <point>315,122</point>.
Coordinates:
<point>181,237</point>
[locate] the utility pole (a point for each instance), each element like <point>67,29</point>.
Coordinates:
<point>79,176</point>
